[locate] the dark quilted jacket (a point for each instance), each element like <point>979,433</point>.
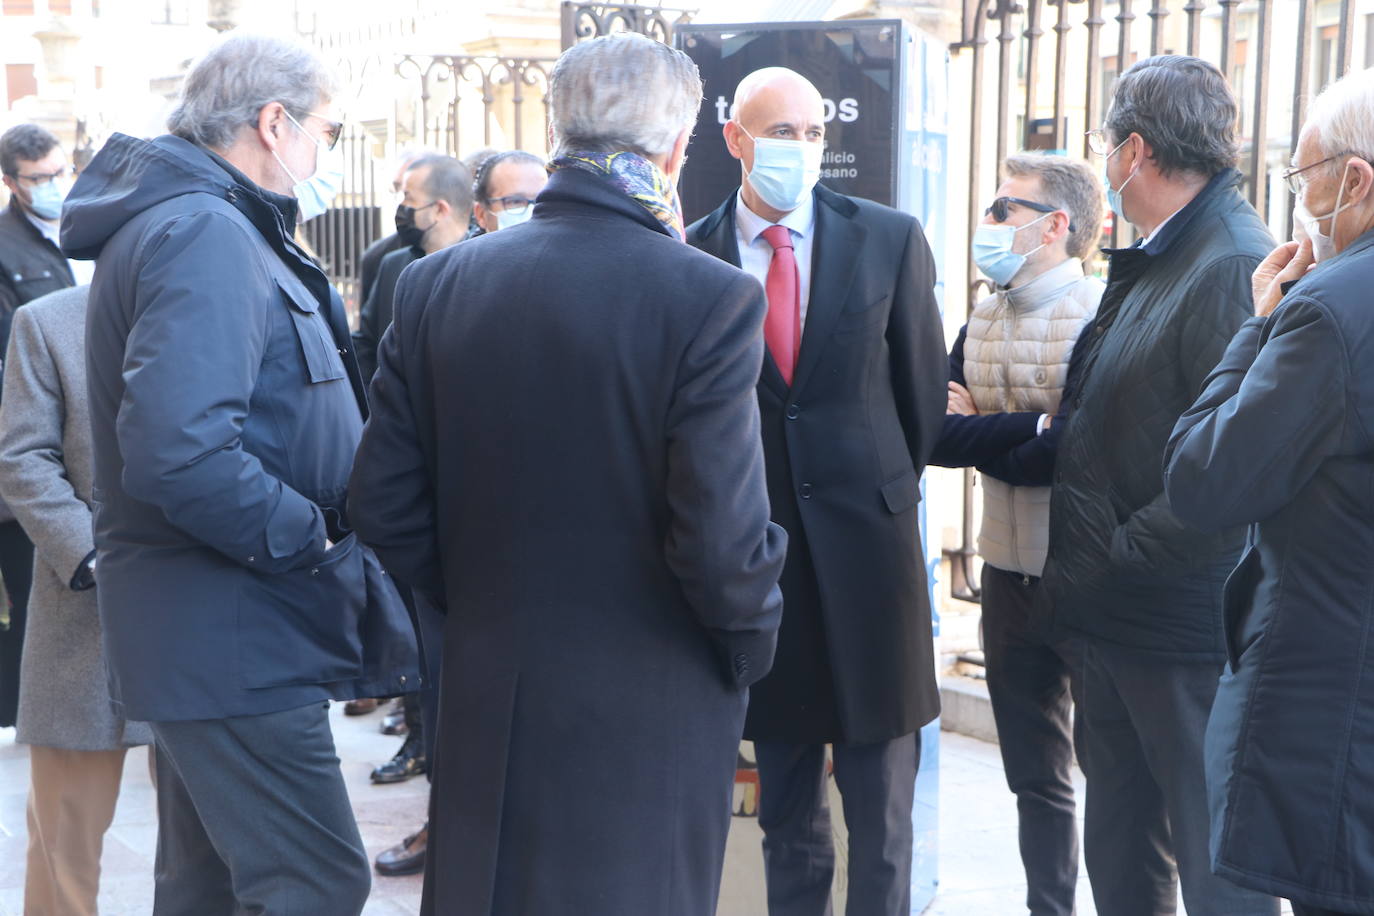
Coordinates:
<point>1122,566</point>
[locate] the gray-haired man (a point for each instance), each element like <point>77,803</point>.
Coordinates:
<point>225,409</point>
<point>1125,572</point>
<point>603,547</point>
<point>1014,358</point>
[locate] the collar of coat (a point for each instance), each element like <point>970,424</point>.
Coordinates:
<point>1217,190</point>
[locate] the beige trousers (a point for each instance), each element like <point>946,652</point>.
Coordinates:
<point>72,797</point>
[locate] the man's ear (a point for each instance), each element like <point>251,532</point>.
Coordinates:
<point>1059,227</point>
<point>1360,180</point>
<point>272,124</point>
<point>678,155</point>
<point>732,134</point>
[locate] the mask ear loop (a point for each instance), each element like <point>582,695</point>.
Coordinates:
<point>1016,229</point>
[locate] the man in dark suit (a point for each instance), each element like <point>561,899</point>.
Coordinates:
<point>436,204</point>
<point>564,454</point>
<point>852,398</point>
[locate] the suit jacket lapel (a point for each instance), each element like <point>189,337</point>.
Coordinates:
<point>834,260</point>
<point>723,242</point>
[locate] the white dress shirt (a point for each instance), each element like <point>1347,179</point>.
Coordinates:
<point>82,271</point>
<point>755,254</point>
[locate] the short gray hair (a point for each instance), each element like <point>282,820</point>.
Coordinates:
<point>228,87</point>
<point>622,92</point>
<point>1069,185</point>
<point>1183,107</point>
<point>1343,117</point>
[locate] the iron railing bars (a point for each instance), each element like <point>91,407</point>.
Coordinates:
<point>1193,10</point>
<point>1259,120</point>
<point>1062,28</point>
<point>1302,87</point>
<point>1032,35</point>
<point>1159,10</point>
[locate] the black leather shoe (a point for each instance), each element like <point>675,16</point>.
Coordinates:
<point>409,761</point>
<point>394,722</point>
<point>406,857</point>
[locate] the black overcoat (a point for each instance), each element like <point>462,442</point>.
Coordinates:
<point>1280,440</point>
<point>564,451</point>
<point>846,445</point>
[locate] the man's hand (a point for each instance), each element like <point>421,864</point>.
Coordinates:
<point>1286,263</point>
<point>960,401</point>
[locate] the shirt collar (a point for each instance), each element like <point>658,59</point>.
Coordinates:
<point>50,231</point>
<point>802,220</point>
<point>1166,232</point>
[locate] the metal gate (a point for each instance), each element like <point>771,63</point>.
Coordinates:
<point>451,103</point>
<point>1049,90</point>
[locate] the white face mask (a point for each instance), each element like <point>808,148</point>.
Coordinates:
<point>1323,245</point>
<point>314,194</point>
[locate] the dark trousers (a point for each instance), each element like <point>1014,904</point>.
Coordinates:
<point>877,784</point>
<point>253,818</point>
<point>1146,825</point>
<point>1034,685</point>
<point>16,568</point>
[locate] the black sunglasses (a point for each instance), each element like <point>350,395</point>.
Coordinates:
<point>999,211</point>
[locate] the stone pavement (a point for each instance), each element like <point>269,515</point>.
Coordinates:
<point>980,873</point>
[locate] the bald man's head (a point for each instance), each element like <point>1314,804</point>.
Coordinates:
<point>775,95</point>
<point>774,104</point>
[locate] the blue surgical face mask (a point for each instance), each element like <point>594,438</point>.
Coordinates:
<point>507,218</point>
<point>314,194</point>
<point>46,200</point>
<point>992,251</point>
<point>784,171</point>
<point>1114,194</point>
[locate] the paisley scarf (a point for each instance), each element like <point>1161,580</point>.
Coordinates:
<point>636,176</point>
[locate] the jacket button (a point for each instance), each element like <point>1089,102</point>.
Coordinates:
<point>793,411</point>
<point>252,559</point>
<point>315,571</point>
<point>401,679</point>
<point>806,491</point>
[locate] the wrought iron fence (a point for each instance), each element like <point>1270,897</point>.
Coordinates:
<point>588,20</point>
<point>451,103</point>
<point>1051,104</point>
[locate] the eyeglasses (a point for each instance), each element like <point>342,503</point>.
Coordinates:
<point>333,129</point>
<point>514,205</point>
<point>45,178</point>
<point>1294,178</point>
<point>1098,143</point>
<point>999,209</point>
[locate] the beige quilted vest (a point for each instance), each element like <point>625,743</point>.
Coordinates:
<point>1016,357</point>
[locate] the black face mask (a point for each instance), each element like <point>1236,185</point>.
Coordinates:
<point>406,230</point>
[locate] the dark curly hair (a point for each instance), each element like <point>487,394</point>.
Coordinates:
<point>24,141</point>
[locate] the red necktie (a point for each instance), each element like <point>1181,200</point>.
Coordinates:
<point>782,327</point>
